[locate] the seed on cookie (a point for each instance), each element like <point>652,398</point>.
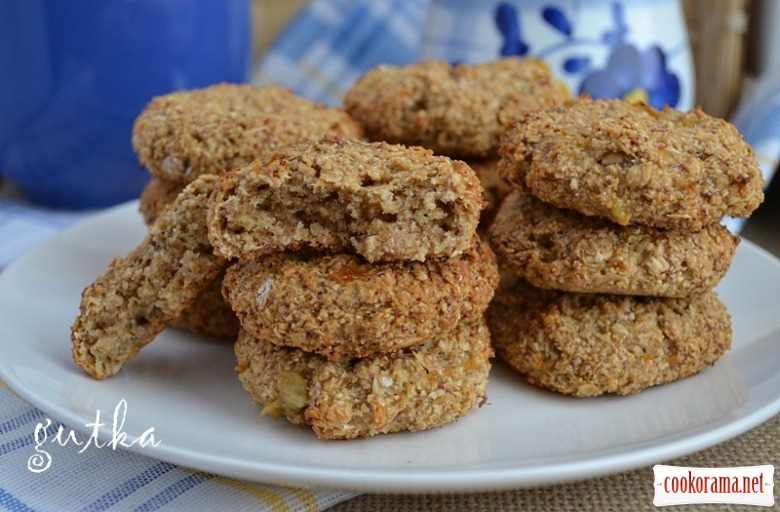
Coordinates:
<point>562,249</point>
<point>458,110</point>
<point>340,305</point>
<point>589,344</point>
<point>385,201</point>
<point>633,164</point>
<point>183,134</point>
<point>412,389</point>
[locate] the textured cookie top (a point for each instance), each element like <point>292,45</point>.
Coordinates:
<point>586,344</point>
<point>386,201</point>
<point>181,135</point>
<point>633,164</point>
<point>338,304</point>
<point>561,249</point>
<point>455,110</point>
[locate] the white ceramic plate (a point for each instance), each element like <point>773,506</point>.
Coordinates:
<point>185,388</point>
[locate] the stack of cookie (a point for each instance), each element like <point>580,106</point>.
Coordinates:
<point>183,135</point>
<point>360,284</point>
<point>458,111</point>
<point>612,245</point>
<point>353,267</point>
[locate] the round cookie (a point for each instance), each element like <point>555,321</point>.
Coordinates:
<point>339,305</point>
<point>561,249</point>
<point>412,389</point>
<point>385,201</point>
<point>632,164</point>
<point>458,111</point>
<point>589,344</point>
<point>183,134</point>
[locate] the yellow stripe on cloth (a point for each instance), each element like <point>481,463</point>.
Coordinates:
<point>272,498</point>
<point>306,498</point>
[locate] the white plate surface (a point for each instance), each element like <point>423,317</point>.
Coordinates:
<point>185,388</point>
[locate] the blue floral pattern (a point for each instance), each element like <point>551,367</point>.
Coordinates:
<point>630,73</point>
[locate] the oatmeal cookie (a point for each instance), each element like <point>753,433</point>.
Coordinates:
<point>339,305</point>
<point>633,164</point>
<point>385,201</point>
<point>127,306</point>
<point>589,344</point>
<point>183,134</point>
<point>562,249</point>
<point>412,389</point>
<point>458,111</point>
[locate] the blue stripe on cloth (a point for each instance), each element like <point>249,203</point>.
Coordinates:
<point>300,35</point>
<point>362,28</point>
<point>21,420</point>
<point>174,491</point>
<point>128,487</point>
<point>27,440</point>
<point>11,503</point>
<point>332,42</point>
<point>758,115</point>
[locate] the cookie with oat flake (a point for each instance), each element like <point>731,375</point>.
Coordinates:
<point>586,344</point>
<point>633,164</point>
<point>181,135</point>
<point>127,306</point>
<point>340,305</point>
<point>384,201</point>
<point>455,110</point>
<point>561,249</point>
<point>412,389</point>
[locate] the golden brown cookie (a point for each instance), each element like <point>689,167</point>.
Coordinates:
<point>385,201</point>
<point>412,389</point>
<point>340,305</point>
<point>589,344</point>
<point>183,134</point>
<point>458,110</point>
<point>561,249</point>
<point>127,306</point>
<point>632,164</point>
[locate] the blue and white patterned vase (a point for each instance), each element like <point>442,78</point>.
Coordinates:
<point>632,49</point>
